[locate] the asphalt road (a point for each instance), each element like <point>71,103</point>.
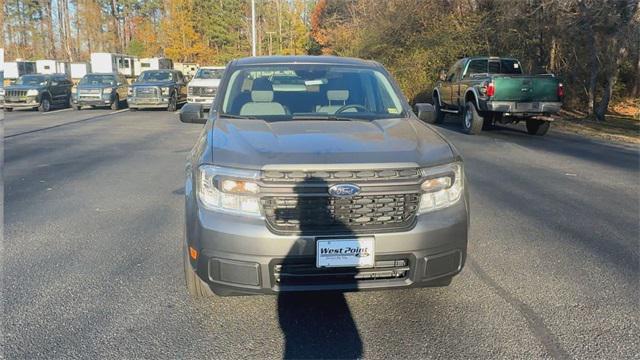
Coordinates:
<point>93,219</point>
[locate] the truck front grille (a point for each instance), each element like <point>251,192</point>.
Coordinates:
<point>305,272</point>
<point>202,91</point>
<point>341,175</point>
<point>15,93</point>
<point>147,92</point>
<point>327,214</point>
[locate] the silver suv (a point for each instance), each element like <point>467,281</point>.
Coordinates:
<point>313,173</point>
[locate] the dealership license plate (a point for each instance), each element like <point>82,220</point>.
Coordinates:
<point>358,252</point>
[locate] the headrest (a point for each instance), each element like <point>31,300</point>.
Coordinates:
<point>337,95</point>
<point>261,96</point>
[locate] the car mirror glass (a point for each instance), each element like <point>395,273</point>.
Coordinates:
<point>426,112</point>
<point>192,113</point>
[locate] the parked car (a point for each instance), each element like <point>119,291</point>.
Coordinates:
<point>38,91</point>
<point>328,182</point>
<point>158,89</point>
<point>488,90</point>
<point>204,85</point>
<point>98,89</point>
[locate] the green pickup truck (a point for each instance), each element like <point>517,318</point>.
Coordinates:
<point>489,90</point>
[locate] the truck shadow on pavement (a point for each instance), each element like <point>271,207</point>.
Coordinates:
<point>315,324</point>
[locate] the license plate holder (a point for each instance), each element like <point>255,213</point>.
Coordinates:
<point>345,252</point>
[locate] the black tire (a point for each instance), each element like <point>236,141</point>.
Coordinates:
<point>45,104</point>
<point>472,121</point>
<point>8,109</point>
<point>173,103</point>
<point>77,107</point>
<point>439,113</point>
<point>537,127</point>
<point>115,105</point>
<point>196,288</point>
<point>132,109</point>
<point>67,102</point>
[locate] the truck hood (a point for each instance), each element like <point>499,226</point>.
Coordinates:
<point>205,82</point>
<point>252,144</point>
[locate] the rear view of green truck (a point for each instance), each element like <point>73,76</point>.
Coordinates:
<point>489,90</point>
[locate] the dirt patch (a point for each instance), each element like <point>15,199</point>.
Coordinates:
<point>616,127</point>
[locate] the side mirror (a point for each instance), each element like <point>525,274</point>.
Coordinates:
<point>426,112</point>
<point>443,75</point>
<point>192,113</point>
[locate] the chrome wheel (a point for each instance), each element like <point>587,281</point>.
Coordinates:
<point>468,118</point>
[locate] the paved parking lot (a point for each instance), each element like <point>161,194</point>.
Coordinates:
<point>93,214</point>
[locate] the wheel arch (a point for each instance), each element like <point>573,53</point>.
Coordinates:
<point>471,95</point>
<point>436,92</point>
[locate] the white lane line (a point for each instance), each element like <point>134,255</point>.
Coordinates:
<point>118,111</point>
<point>56,111</point>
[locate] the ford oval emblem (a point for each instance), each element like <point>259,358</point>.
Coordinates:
<point>344,190</point>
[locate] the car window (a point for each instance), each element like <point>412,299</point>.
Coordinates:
<point>98,79</point>
<point>282,92</point>
<point>478,66</point>
<point>155,76</point>
<point>32,80</point>
<point>209,74</point>
<point>505,66</point>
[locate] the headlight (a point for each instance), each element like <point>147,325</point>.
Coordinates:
<point>32,92</point>
<point>130,91</point>
<point>165,90</point>
<point>210,90</point>
<point>442,188</point>
<point>229,190</point>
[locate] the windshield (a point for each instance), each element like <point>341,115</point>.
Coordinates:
<point>98,80</point>
<point>32,80</point>
<point>296,91</point>
<point>209,74</point>
<point>155,76</point>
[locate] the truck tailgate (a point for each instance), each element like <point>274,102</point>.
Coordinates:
<point>533,88</point>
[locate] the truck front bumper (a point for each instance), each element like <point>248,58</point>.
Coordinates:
<point>148,103</point>
<point>515,107</point>
<point>92,102</point>
<point>239,255</point>
<point>28,103</point>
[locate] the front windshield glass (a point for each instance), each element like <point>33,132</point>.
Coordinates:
<point>32,80</point>
<point>155,76</point>
<point>297,91</point>
<point>209,74</point>
<point>98,80</point>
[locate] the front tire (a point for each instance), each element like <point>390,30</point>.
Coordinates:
<point>8,109</point>
<point>77,107</point>
<point>196,288</point>
<point>133,108</point>
<point>173,103</point>
<point>537,127</point>
<point>45,105</point>
<point>472,121</point>
<point>439,113</point>
<point>115,105</point>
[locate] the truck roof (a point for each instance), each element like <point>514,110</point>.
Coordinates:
<point>306,59</point>
<point>490,58</point>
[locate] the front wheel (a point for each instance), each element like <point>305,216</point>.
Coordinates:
<point>537,127</point>
<point>8,109</point>
<point>472,121</point>
<point>45,105</point>
<point>173,103</point>
<point>196,288</point>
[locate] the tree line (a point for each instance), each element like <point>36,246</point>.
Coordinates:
<point>204,31</point>
<point>592,45</point>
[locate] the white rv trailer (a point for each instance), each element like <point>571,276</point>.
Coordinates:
<point>188,69</point>
<point>15,69</point>
<point>109,62</point>
<point>78,70</point>
<point>52,67</point>
<point>151,64</point>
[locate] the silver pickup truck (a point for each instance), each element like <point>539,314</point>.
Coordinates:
<point>313,173</point>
